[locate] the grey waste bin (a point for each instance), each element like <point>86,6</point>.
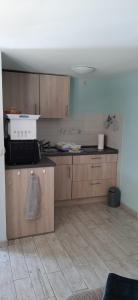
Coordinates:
<point>114,196</point>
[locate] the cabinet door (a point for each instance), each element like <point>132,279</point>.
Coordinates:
<point>94,171</point>
<point>54,96</point>
<point>63,182</point>
<point>86,189</point>
<point>94,159</point>
<point>21,90</point>
<point>16,187</point>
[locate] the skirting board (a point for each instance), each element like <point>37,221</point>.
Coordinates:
<point>80,201</point>
<point>131,211</point>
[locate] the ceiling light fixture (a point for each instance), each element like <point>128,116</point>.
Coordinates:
<point>83,69</point>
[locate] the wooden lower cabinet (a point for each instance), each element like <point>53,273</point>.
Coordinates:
<point>63,177</point>
<point>86,189</point>
<point>94,171</point>
<point>84,176</point>
<point>63,182</point>
<point>16,187</point>
<point>93,175</point>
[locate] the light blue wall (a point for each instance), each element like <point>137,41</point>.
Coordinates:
<point>117,94</point>
<point>88,96</point>
<point>123,98</point>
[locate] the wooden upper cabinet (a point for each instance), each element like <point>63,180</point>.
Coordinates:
<point>21,90</point>
<point>54,96</point>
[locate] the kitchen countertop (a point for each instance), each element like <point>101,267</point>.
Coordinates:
<point>43,163</point>
<point>85,150</point>
<point>46,162</point>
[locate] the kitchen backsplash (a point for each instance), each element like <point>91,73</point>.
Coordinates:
<point>79,129</point>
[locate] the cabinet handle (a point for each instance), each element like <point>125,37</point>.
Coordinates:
<point>32,172</point>
<point>35,108</point>
<point>96,183</point>
<point>95,157</point>
<point>44,171</point>
<point>18,173</point>
<point>69,172</point>
<point>96,166</point>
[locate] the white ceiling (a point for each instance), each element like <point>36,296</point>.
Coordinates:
<point>54,35</point>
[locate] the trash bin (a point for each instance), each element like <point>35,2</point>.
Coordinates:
<point>114,195</point>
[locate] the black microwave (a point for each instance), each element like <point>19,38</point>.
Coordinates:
<point>22,152</point>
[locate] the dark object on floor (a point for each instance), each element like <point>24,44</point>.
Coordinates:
<point>114,196</point>
<point>117,288</point>
<point>121,288</point>
<point>88,295</point>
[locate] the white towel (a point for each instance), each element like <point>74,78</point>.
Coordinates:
<point>33,198</point>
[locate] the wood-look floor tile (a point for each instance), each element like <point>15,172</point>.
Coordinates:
<point>89,242</point>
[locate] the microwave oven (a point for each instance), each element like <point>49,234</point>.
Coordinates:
<point>22,152</point>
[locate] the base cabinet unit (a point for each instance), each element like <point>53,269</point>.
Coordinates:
<point>93,175</point>
<point>63,177</point>
<point>84,176</point>
<point>16,189</point>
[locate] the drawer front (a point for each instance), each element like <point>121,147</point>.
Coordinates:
<point>94,159</point>
<point>94,171</point>
<point>86,189</point>
<point>61,160</point>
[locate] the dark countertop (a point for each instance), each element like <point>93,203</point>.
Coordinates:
<point>85,150</point>
<point>45,162</point>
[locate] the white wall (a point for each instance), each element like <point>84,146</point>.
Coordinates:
<point>2,169</point>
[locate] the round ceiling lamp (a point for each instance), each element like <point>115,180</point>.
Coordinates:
<point>83,69</point>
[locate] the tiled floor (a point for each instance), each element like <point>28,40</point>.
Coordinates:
<point>89,242</point>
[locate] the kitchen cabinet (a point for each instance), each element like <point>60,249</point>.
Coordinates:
<point>86,189</point>
<point>94,159</point>
<point>84,176</point>
<point>94,171</point>
<point>63,177</point>
<point>54,96</point>
<point>47,95</point>
<point>16,187</point>
<point>93,175</point>
<point>63,181</point>
<point>21,90</point>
